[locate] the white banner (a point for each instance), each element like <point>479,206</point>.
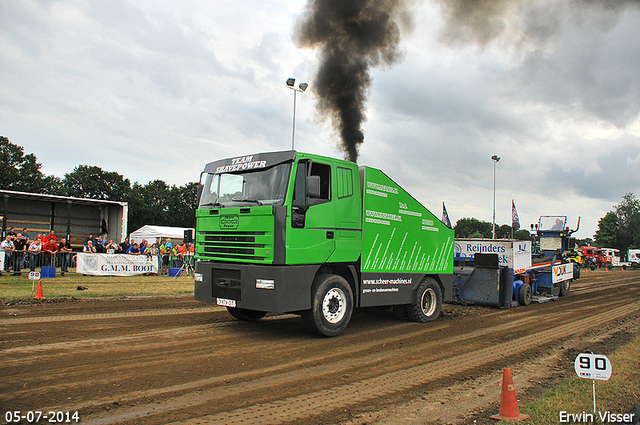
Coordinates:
<point>1,261</point>
<point>562,272</point>
<point>512,254</point>
<point>115,264</point>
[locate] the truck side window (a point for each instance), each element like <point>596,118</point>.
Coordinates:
<point>299,186</point>
<point>324,171</point>
<point>345,182</point>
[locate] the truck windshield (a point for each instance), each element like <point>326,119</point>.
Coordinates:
<point>262,187</point>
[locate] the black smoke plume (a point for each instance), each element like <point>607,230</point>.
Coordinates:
<point>352,36</point>
<point>483,21</point>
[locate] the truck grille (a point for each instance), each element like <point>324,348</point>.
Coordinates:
<point>234,245</point>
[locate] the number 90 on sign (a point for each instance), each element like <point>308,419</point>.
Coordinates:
<point>593,366</point>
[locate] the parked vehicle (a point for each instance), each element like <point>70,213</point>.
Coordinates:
<point>633,256</point>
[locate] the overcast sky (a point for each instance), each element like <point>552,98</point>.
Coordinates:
<point>155,89</point>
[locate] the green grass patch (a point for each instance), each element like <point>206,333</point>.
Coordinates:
<point>618,395</point>
<point>20,287</point>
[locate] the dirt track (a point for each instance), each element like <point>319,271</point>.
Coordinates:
<point>165,360</point>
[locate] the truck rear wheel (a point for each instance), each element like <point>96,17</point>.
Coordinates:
<point>524,294</point>
<point>564,287</point>
<point>427,302</point>
<point>331,305</point>
<point>246,315</point>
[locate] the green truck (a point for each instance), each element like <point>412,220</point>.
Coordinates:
<point>292,232</point>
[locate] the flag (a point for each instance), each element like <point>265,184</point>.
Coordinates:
<point>445,217</point>
<point>515,220</point>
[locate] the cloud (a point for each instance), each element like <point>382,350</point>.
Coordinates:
<point>154,90</point>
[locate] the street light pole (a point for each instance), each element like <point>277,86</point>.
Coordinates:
<point>495,159</point>
<point>301,88</point>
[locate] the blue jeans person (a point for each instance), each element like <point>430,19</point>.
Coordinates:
<point>34,260</point>
<point>66,259</point>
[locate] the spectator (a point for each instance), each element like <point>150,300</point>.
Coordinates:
<point>124,245</point>
<point>164,253</point>
<point>7,247</point>
<point>25,235</point>
<point>52,236</point>
<point>12,233</point>
<point>134,249</point>
<point>182,251</point>
<point>144,245</point>
<point>19,245</point>
<point>111,247</point>
<point>65,248</point>
<point>151,251</point>
<point>35,252</point>
<point>89,247</point>
<point>50,249</point>
<point>174,257</point>
<point>99,245</point>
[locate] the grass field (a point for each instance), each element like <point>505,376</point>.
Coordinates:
<point>20,287</point>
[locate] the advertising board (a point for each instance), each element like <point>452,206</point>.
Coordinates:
<point>115,264</point>
<point>399,234</point>
<point>562,272</point>
<point>513,254</point>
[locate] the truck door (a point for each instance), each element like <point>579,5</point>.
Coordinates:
<point>311,228</point>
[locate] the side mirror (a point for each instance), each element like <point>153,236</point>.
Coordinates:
<point>313,186</point>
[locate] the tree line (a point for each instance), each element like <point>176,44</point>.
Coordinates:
<point>620,228</point>
<point>155,203</point>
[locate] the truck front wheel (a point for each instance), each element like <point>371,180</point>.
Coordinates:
<point>331,305</point>
<point>427,302</point>
<point>246,315</point>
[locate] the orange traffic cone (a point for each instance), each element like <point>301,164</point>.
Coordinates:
<point>39,294</point>
<point>509,410</point>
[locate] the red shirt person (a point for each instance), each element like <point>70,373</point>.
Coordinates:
<point>50,249</point>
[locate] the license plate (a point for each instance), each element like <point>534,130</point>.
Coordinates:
<point>225,302</point>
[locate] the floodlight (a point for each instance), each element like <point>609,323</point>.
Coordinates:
<point>301,88</point>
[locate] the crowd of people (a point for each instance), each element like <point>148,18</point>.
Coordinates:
<point>41,251</point>
<point>45,250</point>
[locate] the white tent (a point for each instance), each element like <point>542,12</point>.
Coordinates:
<point>150,233</point>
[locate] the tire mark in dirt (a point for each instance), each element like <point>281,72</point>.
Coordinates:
<point>172,347</point>
<point>313,404</point>
<point>389,380</point>
<point>100,316</point>
<point>72,375</point>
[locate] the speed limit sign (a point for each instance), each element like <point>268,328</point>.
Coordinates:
<point>593,366</point>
